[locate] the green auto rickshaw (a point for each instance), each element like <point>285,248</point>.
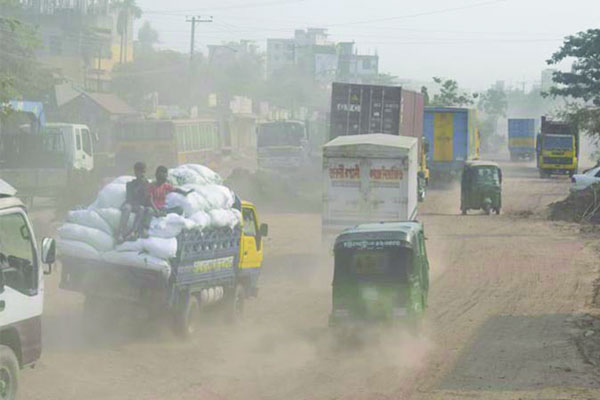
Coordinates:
<point>381,275</point>
<point>481,187</point>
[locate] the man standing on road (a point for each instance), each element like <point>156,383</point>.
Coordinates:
<point>136,201</point>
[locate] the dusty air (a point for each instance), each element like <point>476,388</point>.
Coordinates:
<point>293,199</point>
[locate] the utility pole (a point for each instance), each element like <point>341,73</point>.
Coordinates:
<point>194,20</point>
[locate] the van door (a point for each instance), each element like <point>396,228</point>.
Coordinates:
<point>78,159</point>
<point>87,150</point>
<point>252,246</point>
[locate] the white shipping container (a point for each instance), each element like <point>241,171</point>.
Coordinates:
<point>368,178</point>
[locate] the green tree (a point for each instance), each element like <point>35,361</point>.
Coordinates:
<point>450,95</point>
<point>21,75</point>
<point>147,36</point>
<point>493,105</point>
<point>582,82</point>
<point>126,9</point>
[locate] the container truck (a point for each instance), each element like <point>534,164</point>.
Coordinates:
<point>22,266</point>
<point>521,138</point>
<point>220,265</point>
<point>361,109</point>
<point>453,137</point>
<point>368,178</point>
<point>557,148</point>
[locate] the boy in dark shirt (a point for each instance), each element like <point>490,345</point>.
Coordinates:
<point>136,201</point>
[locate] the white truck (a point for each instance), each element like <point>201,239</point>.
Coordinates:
<point>22,266</point>
<point>368,178</point>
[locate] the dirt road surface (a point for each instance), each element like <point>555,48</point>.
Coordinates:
<point>504,295</point>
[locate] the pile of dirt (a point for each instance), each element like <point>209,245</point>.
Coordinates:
<point>582,206</point>
<point>277,192</point>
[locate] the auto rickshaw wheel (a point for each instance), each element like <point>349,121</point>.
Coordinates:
<point>497,210</point>
<point>463,211</point>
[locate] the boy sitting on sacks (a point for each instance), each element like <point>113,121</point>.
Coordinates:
<point>157,194</point>
<point>136,201</point>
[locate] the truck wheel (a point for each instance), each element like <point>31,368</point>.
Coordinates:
<point>237,300</point>
<point>186,319</point>
<point>9,373</point>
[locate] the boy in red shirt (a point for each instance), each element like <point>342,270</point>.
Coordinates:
<point>158,190</point>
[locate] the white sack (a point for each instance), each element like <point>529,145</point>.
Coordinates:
<point>123,179</point>
<point>99,240</point>
<point>217,196</point>
<point>164,248</point>
<point>201,219</point>
<point>112,216</point>
<point>190,204</point>
<point>170,226</point>
<point>182,175</point>
<point>224,218</point>
<point>73,248</point>
<point>134,245</point>
<point>89,218</point>
<point>208,175</point>
<point>111,196</point>
<point>134,259</point>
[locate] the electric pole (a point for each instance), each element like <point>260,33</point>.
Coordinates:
<point>194,20</point>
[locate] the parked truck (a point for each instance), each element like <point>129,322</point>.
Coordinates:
<point>557,148</point>
<point>282,145</point>
<point>368,178</point>
<point>453,137</point>
<point>521,138</point>
<point>211,267</point>
<point>44,159</point>
<point>361,109</point>
<point>22,266</point>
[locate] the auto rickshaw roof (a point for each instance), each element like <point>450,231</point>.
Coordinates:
<point>480,163</point>
<point>405,231</point>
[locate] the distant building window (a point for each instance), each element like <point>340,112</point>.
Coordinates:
<point>366,64</point>
<point>55,45</point>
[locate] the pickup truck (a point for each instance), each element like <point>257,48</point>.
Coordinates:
<point>220,265</point>
<point>22,266</point>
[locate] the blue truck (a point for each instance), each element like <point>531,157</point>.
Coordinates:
<point>453,137</point>
<point>521,138</point>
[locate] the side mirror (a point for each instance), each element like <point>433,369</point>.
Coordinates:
<point>264,230</point>
<point>48,254</point>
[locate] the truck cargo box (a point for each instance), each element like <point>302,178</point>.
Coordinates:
<point>521,137</point>
<point>453,137</point>
<point>368,178</point>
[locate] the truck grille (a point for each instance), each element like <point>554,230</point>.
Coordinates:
<point>558,160</point>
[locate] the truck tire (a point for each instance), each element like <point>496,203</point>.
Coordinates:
<point>186,319</point>
<point>9,373</point>
<point>235,306</point>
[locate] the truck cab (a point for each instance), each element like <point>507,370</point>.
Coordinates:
<point>282,144</point>
<point>22,266</point>
<point>557,148</point>
<point>76,142</point>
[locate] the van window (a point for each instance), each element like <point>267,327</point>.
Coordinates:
<point>78,141</point>
<point>87,142</point>
<point>17,257</point>
<point>249,222</point>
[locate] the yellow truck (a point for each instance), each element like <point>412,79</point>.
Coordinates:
<point>216,265</point>
<point>557,148</point>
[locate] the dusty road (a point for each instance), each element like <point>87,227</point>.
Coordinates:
<point>504,292</point>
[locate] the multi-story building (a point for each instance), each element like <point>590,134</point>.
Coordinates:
<point>81,39</point>
<point>355,67</point>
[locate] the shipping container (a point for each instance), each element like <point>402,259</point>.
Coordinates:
<point>453,137</point>
<point>521,138</point>
<point>368,178</point>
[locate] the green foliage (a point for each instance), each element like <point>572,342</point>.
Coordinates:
<point>493,102</point>
<point>21,76</point>
<point>147,36</point>
<point>450,95</point>
<point>583,81</point>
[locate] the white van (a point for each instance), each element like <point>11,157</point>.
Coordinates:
<point>22,266</point>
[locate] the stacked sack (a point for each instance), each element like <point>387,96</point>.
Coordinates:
<point>90,233</point>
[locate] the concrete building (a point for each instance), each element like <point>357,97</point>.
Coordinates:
<point>354,67</point>
<point>80,39</point>
<point>281,53</point>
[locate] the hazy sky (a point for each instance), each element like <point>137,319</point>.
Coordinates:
<point>476,42</point>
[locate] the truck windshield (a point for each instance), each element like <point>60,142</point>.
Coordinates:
<point>558,142</point>
<point>280,134</point>
<point>374,264</point>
